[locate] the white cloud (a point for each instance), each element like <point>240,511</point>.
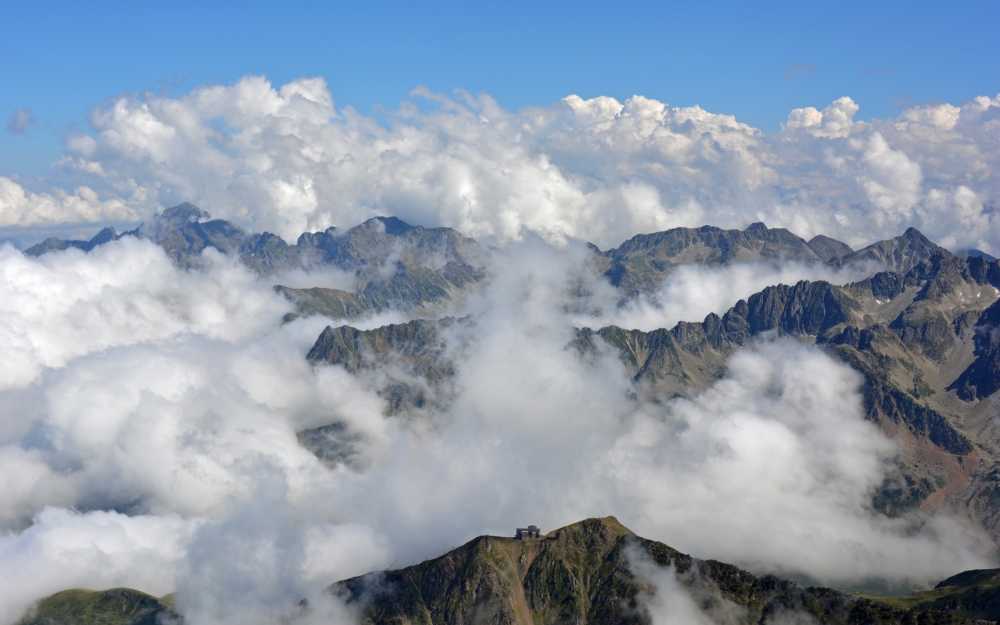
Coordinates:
<point>19,121</point>
<point>691,292</point>
<point>19,207</point>
<point>776,450</point>
<point>174,397</point>
<point>836,120</point>
<point>186,420</point>
<point>891,179</point>
<point>99,550</point>
<point>286,160</point>
<point>940,116</point>
<point>60,306</point>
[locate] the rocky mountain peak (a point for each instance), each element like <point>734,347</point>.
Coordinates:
<point>593,572</point>
<point>173,219</point>
<point>393,225</point>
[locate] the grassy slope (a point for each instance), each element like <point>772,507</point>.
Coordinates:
<point>118,606</point>
<point>582,573</point>
<point>972,595</point>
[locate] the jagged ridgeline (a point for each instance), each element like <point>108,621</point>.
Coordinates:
<point>598,572</point>
<point>422,271</point>
<point>922,335</point>
<point>595,572</point>
<point>395,266</point>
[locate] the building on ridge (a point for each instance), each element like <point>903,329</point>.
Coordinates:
<point>524,533</point>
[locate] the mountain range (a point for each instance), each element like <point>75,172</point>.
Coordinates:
<point>593,572</point>
<point>921,331</point>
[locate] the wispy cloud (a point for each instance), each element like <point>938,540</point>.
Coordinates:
<point>282,158</point>
<point>19,121</point>
<point>799,68</point>
<point>882,71</point>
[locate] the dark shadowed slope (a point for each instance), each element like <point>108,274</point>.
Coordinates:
<point>972,594</point>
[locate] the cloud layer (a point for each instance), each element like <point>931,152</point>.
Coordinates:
<point>148,414</point>
<point>20,207</point>
<point>285,159</point>
<point>150,418</point>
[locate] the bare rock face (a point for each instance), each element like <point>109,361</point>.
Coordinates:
<point>641,263</point>
<point>925,341</point>
<point>900,254</point>
<point>981,379</point>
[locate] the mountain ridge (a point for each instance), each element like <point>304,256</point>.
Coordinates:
<point>395,266</point>
<point>595,571</point>
<point>913,337</point>
<point>457,263</point>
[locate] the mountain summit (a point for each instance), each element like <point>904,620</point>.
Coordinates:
<point>598,572</point>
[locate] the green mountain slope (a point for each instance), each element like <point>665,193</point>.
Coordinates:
<point>595,571</point>
<point>592,572</point>
<point>118,606</point>
<point>972,594</point>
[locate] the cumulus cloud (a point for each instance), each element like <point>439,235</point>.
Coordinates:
<point>66,305</point>
<point>836,120</point>
<point>100,549</point>
<point>176,437</point>
<point>20,207</point>
<point>285,159</point>
<point>19,121</point>
<point>151,413</point>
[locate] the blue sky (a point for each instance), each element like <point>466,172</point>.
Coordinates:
<point>62,58</point>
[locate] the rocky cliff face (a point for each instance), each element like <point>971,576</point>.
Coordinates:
<point>640,264</point>
<point>417,370</point>
<point>924,339</point>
